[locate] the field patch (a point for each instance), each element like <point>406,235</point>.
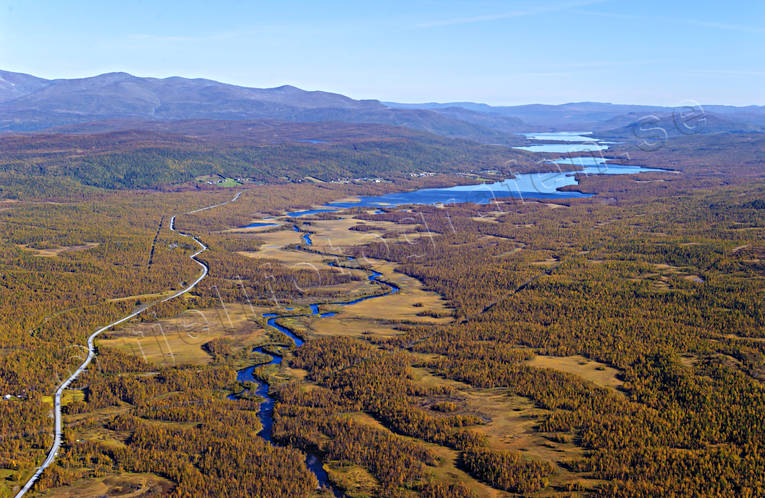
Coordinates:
<point>68,397</point>
<point>181,340</point>
<point>124,485</point>
<point>446,469</point>
<point>511,424</point>
<point>591,370</point>
<point>412,303</point>
<point>334,235</point>
<point>57,251</point>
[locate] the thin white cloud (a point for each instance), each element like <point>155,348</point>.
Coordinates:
<point>694,22</point>
<point>730,72</point>
<point>509,15</point>
<point>571,69</point>
<point>208,37</point>
<point>542,74</point>
<point>161,38</point>
<point>598,64</point>
<point>727,27</point>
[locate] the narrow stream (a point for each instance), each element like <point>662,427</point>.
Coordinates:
<point>266,413</point>
<point>532,185</point>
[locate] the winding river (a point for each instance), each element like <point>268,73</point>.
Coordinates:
<point>266,412</point>
<point>531,185</point>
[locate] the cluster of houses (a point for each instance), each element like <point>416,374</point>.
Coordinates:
<point>357,180</point>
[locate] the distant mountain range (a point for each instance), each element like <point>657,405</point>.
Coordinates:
<point>28,103</point>
<point>122,101</point>
<point>599,116</point>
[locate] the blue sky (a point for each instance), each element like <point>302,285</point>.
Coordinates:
<point>499,52</point>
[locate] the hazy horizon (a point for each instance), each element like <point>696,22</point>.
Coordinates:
<point>458,101</point>
<point>491,52</point>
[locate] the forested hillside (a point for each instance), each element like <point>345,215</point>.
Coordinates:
<point>271,152</point>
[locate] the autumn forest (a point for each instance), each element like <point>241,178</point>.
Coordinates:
<point>603,345</point>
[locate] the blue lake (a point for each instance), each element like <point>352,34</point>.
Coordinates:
<point>297,214</point>
<point>562,136</point>
<point>259,224</point>
<point>563,148</point>
<point>525,186</point>
<point>590,144</point>
<point>583,161</point>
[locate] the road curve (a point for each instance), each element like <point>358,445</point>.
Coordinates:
<point>92,351</point>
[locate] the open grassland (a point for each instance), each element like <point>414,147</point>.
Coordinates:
<point>590,370</point>
<point>182,340</point>
<point>511,422</point>
<point>411,304</point>
<point>68,397</point>
<point>125,485</point>
<point>56,251</point>
<point>336,234</point>
<point>446,468</point>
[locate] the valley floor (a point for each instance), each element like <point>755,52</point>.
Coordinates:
<point>533,348</point>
